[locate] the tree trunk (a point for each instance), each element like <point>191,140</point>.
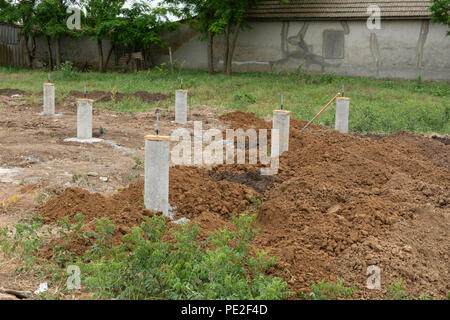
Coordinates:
<point>58,53</point>
<point>100,55</point>
<point>227,48</point>
<point>210,52</point>
<point>108,58</point>
<point>233,47</point>
<point>149,57</point>
<point>50,56</point>
<point>28,55</point>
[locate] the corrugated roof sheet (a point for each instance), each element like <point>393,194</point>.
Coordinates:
<point>338,9</point>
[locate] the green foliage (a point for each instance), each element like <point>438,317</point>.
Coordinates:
<point>67,71</point>
<point>378,106</point>
<point>440,12</point>
<point>139,26</point>
<point>396,292</point>
<point>138,164</point>
<point>147,267</point>
<point>23,240</point>
<point>323,290</point>
<point>244,98</point>
<point>50,18</point>
<point>67,232</point>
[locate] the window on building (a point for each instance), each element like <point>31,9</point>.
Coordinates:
<point>333,44</point>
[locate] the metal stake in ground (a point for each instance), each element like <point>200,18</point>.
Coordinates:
<point>181,106</point>
<point>156,186</point>
<point>49,99</point>
<point>84,119</point>
<point>157,122</point>
<point>281,121</point>
<point>342,110</point>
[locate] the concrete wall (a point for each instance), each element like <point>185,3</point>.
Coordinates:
<point>401,49</point>
<point>80,51</point>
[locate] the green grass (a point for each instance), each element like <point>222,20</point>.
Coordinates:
<point>382,106</point>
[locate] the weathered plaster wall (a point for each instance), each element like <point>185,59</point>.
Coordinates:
<point>80,50</point>
<point>401,49</point>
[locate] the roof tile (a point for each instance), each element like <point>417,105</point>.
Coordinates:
<point>337,9</point>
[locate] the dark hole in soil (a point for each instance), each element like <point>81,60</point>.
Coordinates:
<point>252,179</point>
<point>444,140</point>
<point>369,135</point>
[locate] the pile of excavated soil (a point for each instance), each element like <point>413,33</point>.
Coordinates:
<point>104,96</point>
<point>435,148</point>
<point>338,204</point>
<point>245,120</point>
<point>192,194</point>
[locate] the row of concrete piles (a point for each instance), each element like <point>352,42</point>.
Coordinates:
<point>157,148</point>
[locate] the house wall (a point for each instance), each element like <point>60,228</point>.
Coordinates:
<point>400,49</point>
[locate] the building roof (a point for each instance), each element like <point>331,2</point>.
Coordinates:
<point>273,10</point>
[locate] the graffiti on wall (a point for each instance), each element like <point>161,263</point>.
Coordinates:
<point>302,52</point>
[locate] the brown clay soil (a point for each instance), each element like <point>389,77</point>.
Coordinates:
<point>338,204</point>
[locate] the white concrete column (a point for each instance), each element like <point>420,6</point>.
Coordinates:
<point>49,99</point>
<point>342,110</point>
<point>181,106</point>
<point>84,118</point>
<point>156,185</point>
<point>281,121</point>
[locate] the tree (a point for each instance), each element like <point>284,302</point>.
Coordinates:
<point>100,13</point>
<point>138,28</point>
<point>218,17</point>
<point>51,21</point>
<point>5,10</point>
<point>201,14</point>
<point>230,19</point>
<point>21,12</point>
<point>440,12</point>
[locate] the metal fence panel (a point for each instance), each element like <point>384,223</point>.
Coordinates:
<point>11,46</point>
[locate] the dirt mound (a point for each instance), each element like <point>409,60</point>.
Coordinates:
<point>339,190</point>
<point>94,205</point>
<point>104,96</point>
<point>338,204</point>
<point>245,120</point>
<point>435,148</point>
<point>192,194</point>
<point>10,92</point>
